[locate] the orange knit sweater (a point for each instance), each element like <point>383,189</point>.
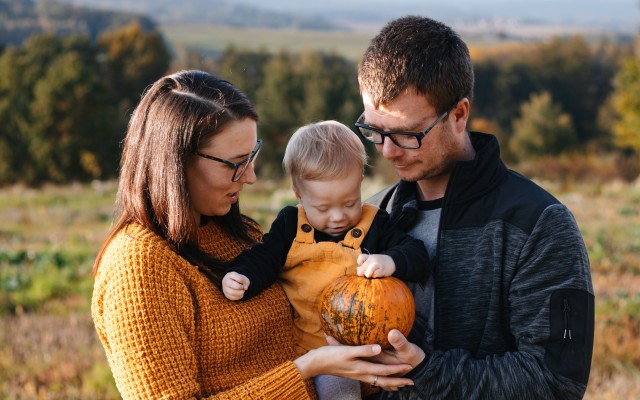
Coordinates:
<point>169,333</point>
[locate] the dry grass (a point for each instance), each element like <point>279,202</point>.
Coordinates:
<point>53,357</point>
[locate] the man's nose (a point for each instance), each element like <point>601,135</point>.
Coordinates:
<point>389,149</point>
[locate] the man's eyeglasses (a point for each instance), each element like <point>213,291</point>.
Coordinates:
<point>238,168</point>
<point>405,140</point>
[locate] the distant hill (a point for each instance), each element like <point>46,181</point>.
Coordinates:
<point>20,19</point>
<point>219,12</point>
<point>527,18</point>
<point>603,15</point>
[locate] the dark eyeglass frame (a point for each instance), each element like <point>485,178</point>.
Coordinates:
<point>392,134</point>
<point>239,168</point>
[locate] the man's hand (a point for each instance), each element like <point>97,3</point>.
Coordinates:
<point>403,353</point>
<point>353,362</point>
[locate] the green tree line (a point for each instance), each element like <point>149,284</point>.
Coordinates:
<point>65,100</point>
<point>552,98</point>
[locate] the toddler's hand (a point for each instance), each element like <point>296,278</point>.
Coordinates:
<point>375,265</point>
<point>234,285</point>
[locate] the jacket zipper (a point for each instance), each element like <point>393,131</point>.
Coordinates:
<point>567,319</point>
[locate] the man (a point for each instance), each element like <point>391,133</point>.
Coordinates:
<point>508,311</point>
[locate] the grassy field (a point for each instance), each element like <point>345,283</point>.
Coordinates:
<point>213,39</point>
<point>48,238</point>
<point>209,39</point>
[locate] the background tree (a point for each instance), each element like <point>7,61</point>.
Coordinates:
<point>14,105</point>
<point>330,88</point>
<point>278,102</point>
<point>59,118</point>
<point>578,77</point>
<point>245,69</point>
<point>577,74</point>
<point>55,111</point>
<point>626,102</point>
<point>500,88</point>
<point>135,58</point>
<point>543,128</point>
<point>70,135</point>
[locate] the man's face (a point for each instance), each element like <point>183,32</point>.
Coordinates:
<point>411,112</point>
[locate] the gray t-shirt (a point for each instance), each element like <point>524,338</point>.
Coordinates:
<point>426,229</point>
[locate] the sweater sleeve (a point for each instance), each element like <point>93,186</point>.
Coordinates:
<point>149,331</point>
<point>551,319</point>
<point>408,253</point>
<point>262,262</point>
<point>140,313</point>
<point>282,382</point>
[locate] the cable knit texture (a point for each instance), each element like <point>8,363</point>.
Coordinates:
<point>169,333</point>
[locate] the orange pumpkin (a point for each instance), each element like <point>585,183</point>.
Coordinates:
<point>356,310</point>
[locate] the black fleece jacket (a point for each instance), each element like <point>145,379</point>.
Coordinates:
<point>514,304</point>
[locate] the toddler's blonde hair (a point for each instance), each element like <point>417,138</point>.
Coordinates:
<point>321,151</point>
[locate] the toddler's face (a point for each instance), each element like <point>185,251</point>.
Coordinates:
<point>332,206</point>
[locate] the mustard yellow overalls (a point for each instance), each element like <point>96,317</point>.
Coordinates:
<point>311,266</point>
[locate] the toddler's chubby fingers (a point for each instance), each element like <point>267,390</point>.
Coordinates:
<point>370,269</point>
<point>362,265</point>
<point>236,281</point>
<point>233,294</point>
<point>362,258</point>
<point>373,271</point>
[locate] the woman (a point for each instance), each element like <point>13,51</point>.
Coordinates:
<point>166,327</point>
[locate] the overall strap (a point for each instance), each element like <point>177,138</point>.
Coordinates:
<point>356,235</point>
<point>304,232</point>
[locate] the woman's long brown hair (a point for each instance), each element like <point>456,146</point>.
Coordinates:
<point>175,115</point>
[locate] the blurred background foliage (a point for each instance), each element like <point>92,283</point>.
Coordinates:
<point>566,111</point>
<point>65,98</point>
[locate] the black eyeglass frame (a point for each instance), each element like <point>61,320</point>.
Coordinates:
<point>418,135</point>
<point>236,166</point>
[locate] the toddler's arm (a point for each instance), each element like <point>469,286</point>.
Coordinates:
<point>234,285</point>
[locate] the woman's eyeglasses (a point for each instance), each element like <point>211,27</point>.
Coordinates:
<point>238,168</point>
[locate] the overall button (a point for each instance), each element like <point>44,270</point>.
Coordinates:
<point>306,228</point>
<point>356,233</point>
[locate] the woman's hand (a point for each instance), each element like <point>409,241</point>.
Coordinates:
<point>355,362</point>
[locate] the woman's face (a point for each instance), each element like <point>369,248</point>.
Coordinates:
<point>210,182</point>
